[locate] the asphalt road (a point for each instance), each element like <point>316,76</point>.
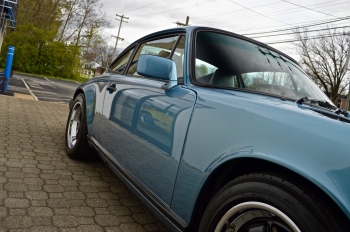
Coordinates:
<point>42,89</point>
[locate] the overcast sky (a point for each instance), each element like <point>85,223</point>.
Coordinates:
<point>238,16</point>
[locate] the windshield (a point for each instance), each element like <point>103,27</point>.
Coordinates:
<point>226,61</point>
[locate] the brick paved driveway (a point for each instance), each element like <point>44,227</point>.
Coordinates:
<point>41,189</point>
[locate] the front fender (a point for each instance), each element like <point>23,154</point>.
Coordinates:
<point>94,91</point>
<point>225,127</point>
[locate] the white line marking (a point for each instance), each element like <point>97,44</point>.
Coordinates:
<point>49,80</point>
<point>30,91</point>
<point>36,86</point>
<point>77,82</point>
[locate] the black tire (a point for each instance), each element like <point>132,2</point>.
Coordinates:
<point>77,146</point>
<point>257,201</point>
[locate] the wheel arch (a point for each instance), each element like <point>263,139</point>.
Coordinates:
<point>77,92</point>
<point>241,166</point>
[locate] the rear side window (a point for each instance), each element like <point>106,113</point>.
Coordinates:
<point>160,47</point>
<point>120,64</point>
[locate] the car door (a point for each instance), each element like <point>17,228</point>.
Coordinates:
<point>145,125</point>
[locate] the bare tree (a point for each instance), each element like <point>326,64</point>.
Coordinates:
<point>43,14</point>
<point>323,59</point>
<point>80,17</point>
<point>104,55</point>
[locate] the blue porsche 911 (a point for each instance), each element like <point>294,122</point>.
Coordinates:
<point>214,131</point>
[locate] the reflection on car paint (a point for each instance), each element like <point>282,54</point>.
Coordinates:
<point>150,137</point>
<point>90,106</point>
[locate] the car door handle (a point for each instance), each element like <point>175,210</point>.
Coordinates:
<point>112,88</point>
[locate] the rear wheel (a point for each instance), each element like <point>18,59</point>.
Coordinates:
<point>77,146</point>
<point>259,203</point>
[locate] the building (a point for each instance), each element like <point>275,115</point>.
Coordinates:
<point>8,15</point>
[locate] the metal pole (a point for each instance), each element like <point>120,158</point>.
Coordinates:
<point>8,66</point>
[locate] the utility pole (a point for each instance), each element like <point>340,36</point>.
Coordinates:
<point>183,24</point>
<point>122,17</point>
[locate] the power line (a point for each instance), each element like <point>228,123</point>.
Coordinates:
<point>266,5</point>
<point>149,4</point>
<point>308,8</point>
<point>293,28</point>
<point>236,10</point>
<point>291,33</point>
<point>273,13</point>
<point>316,23</point>
<point>307,38</point>
<point>258,12</point>
<point>176,8</point>
<point>276,26</point>
<point>295,24</point>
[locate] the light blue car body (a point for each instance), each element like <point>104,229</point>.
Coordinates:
<point>211,129</point>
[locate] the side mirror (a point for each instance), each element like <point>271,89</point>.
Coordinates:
<point>158,67</point>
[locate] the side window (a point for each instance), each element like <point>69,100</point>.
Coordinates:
<point>178,58</point>
<point>160,47</point>
<point>120,65</point>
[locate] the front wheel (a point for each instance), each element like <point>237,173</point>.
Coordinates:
<point>261,202</point>
<point>77,146</point>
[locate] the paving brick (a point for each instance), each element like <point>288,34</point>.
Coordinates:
<point>53,188</point>
<point>13,222</point>
<point>131,227</point>
<point>33,181</point>
<point>16,203</point>
<point>90,228</point>
<point>40,212</point>
<point>82,211</point>
<point>120,210</point>
<point>44,229</point>
<point>74,195</point>
<point>15,194</point>
<point>41,221</point>
<point>16,212</point>
<point>41,189</point>
<point>38,203</point>
<point>65,221</point>
<point>3,179</point>
<point>55,195</point>
<point>101,211</point>
<point>36,195</point>
<point>143,218</point>
<point>96,202</point>
<point>107,220</point>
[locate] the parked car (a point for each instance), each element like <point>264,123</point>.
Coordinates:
<point>214,131</point>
